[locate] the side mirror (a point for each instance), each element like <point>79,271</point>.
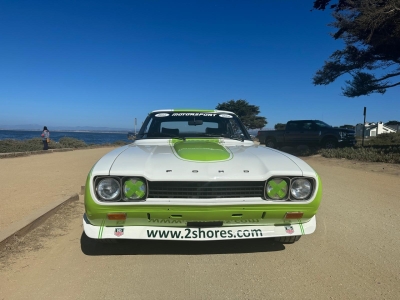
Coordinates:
<point>131,136</point>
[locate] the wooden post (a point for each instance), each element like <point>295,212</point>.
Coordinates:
<point>365,113</point>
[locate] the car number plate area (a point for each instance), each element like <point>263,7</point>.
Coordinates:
<point>207,233</point>
<point>205,224</point>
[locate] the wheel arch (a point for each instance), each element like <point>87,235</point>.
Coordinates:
<point>329,136</point>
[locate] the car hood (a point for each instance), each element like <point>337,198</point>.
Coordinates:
<point>200,160</point>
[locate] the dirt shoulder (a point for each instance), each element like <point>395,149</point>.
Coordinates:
<point>31,182</point>
<point>384,168</point>
<point>353,254</point>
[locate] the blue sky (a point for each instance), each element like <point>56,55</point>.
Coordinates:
<point>106,62</point>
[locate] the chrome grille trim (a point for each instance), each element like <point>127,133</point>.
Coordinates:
<point>206,190</point>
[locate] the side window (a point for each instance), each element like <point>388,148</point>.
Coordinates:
<point>153,128</point>
<point>145,127</point>
<point>321,124</point>
<point>292,126</point>
<point>314,126</point>
<point>307,126</point>
<point>234,129</point>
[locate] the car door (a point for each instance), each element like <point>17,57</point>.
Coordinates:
<point>292,132</point>
<point>310,133</point>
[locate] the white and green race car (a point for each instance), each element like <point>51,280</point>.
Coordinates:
<point>196,175</point>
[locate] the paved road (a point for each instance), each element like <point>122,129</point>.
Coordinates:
<point>354,254</point>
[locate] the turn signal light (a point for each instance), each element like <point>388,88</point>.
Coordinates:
<point>116,216</point>
<point>294,215</point>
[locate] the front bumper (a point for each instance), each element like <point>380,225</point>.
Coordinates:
<point>348,142</point>
<point>196,233</point>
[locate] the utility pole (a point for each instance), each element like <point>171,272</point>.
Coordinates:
<point>135,125</point>
<point>365,113</point>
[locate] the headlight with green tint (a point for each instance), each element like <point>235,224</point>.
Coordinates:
<point>301,188</point>
<point>108,189</point>
<point>277,188</point>
<point>289,188</point>
<point>134,188</point>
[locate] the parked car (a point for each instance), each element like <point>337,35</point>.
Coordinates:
<point>307,132</point>
<point>196,175</point>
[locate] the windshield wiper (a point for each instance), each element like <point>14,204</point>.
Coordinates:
<point>179,137</point>
<point>241,138</point>
<point>172,136</point>
<point>161,135</point>
<point>224,135</point>
<point>213,135</point>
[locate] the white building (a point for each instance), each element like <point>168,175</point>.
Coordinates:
<point>373,129</point>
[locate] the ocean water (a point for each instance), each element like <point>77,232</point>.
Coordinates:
<point>88,137</point>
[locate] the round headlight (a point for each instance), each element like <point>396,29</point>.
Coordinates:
<point>135,189</point>
<point>277,189</point>
<point>108,189</point>
<point>301,188</point>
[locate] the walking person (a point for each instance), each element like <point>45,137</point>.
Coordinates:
<point>46,138</point>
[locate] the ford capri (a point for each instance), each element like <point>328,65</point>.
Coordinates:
<point>196,175</point>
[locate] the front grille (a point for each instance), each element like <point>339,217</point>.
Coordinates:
<point>203,190</point>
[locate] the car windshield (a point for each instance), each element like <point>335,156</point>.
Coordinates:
<point>193,125</point>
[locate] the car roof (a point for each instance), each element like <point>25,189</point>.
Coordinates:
<point>194,111</point>
<point>305,121</point>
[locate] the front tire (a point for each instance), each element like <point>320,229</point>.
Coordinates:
<point>270,143</point>
<point>106,241</point>
<point>288,239</point>
<point>330,143</point>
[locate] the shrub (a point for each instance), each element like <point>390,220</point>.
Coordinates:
<point>36,144</point>
<point>9,145</point>
<point>389,154</point>
<point>385,139</point>
<point>68,142</point>
<point>119,143</point>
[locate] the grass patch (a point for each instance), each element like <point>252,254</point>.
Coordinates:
<point>385,139</point>
<point>68,142</point>
<point>386,154</point>
<point>383,148</point>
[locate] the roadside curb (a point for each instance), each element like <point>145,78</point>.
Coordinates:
<point>38,217</point>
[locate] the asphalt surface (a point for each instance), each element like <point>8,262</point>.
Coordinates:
<point>354,253</point>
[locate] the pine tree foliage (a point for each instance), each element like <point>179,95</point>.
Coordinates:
<point>371,56</point>
<point>246,112</point>
<point>280,126</point>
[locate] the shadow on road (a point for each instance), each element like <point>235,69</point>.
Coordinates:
<point>145,247</point>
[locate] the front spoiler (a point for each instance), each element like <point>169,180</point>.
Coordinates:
<point>197,234</point>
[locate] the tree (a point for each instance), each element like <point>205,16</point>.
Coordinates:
<point>280,126</point>
<point>371,56</point>
<point>393,123</point>
<point>246,112</point>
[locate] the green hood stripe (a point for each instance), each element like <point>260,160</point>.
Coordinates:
<point>301,227</point>
<point>200,150</point>
<point>103,222</point>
